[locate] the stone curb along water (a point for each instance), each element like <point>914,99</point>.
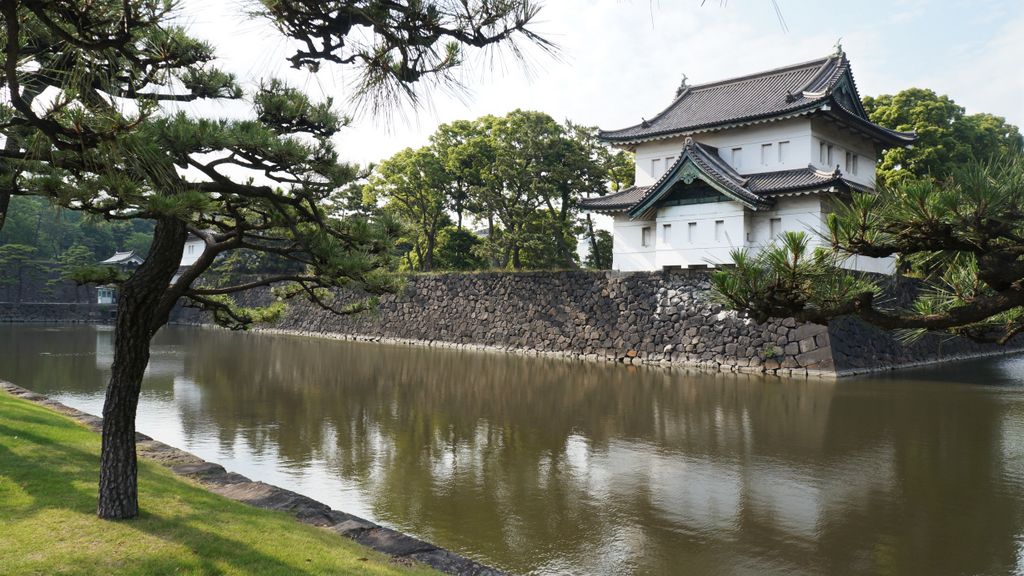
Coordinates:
<point>236,487</point>
<point>666,318</point>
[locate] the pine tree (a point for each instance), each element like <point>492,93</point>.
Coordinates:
<point>100,143</point>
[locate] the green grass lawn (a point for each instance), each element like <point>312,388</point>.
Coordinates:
<point>49,466</point>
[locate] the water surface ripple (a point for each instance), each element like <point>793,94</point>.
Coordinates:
<point>542,466</point>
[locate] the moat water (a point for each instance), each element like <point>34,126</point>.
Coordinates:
<point>544,466</point>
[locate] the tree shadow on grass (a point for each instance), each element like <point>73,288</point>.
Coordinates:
<point>50,473</point>
<point>59,476</point>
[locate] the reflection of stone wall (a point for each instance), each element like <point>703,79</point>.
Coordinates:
<point>644,317</point>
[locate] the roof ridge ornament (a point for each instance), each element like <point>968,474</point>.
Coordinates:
<point>644,122</point>
<point>683,87</point>
<point>837,51</point>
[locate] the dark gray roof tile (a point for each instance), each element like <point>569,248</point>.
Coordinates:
<point>783,92</point>
<point>616,202</point>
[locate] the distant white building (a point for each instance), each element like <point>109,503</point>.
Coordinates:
<point>124,259</point>
<point>734,163</point>
<point>107,293</point>
<point>194,247</point>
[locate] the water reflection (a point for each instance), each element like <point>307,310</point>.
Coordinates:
<point>548,466</point>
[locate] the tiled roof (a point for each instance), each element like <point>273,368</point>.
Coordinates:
<point>773,94</point>
<point>768,183</point>
<point>753,190</point>
<point>123,258</point>
<point>616,202</point>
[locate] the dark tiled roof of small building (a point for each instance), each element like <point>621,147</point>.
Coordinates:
<point>774,94</point>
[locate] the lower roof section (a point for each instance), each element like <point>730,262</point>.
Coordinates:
<point>699,161</point>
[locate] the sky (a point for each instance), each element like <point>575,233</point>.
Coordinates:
<point>621,60</point>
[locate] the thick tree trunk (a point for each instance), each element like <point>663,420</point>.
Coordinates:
<point>137,322</point>
<point>428,257</point>
<point>30,90</point>
<point>5,203</point>
<point>565,252</point>
<point>490,239</point>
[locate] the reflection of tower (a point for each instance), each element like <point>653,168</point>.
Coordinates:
<point>104,347</point>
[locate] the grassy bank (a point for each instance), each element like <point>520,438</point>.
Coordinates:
<point>49,466</point>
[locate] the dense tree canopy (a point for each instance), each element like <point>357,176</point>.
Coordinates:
<point>83,127</point>
<point>521,175</point>
<point>52,230</point>
<point>947,135</point>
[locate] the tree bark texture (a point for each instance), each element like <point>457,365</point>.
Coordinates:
<point>138,320</point>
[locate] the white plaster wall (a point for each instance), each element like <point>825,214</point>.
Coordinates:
<point>680,249</point>
<point>628,255</point>
<point>661,150</point>
<point>807,214</point>
<point>796,132</point>
<point>868,264</point>
<point>799,213</point>
<point>193,250</point>
<point>844,141</point>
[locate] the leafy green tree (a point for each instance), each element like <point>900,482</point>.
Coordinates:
<point>100,143</point>
<point>19,264</point>
<point>947,136</point>
<point>968,226</point>
<point>618,170</point>
<point>532,163</point>
<point>463,148</point>
<point>523,174</point>
<point>412,185</point>
<point>600,255</point>
<point>138,242</point>
<point>459,249</point>
<point>78,265</point>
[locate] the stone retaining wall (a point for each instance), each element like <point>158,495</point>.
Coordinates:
<point>647,317</point>
<point>57,312</point>
<point>639,318</point>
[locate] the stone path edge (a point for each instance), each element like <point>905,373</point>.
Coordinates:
<point>231,485</point>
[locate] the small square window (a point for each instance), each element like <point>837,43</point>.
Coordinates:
<point>775,227</point>
<point>831,156</point>
<point>823,153</point>
<point>737,158</point>
<point>766,154</point>
<point>719,230</point>
<point>691,231</point>
<point>783,151</point>
<point>656,167</point>
<point>666,233</point>
<point>645,236</point>
<point>853,166</point>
